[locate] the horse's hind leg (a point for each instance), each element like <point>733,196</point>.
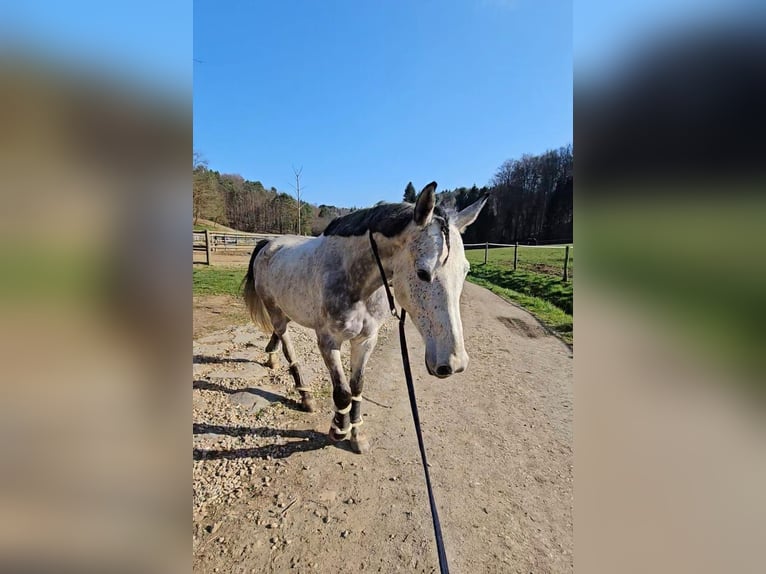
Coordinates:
<point>307,401</point>
<point>271,349</point>
<point>279,321</point>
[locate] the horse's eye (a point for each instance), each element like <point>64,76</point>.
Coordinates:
<point>424,275</point>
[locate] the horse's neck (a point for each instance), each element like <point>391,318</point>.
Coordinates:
<point>360,264</point>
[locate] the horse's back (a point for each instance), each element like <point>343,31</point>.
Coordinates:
<point>305,278</point>
<point>288,273</point>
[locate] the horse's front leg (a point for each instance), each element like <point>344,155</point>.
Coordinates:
<point>329,347</point>
<point>361,348</point>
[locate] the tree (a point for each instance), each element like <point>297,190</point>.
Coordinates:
<point>285,212</point>
<point>534,198</point>
<point>297,188</point>
<point>198,160</point>
<point>530,199</point>
<point>207,200</point>
<point>410,194</point>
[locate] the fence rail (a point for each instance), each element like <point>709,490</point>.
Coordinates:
<point>226,242</point>
<point>477,245</point>
<point>487,246</point>
<point>237,242</point>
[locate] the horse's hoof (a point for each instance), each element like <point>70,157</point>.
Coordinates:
<point>336,437</point>
<point>273,361</point>
<point>360,444</point>
<point>308,404</point>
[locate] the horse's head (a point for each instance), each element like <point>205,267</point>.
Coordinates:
<point>429,272</point>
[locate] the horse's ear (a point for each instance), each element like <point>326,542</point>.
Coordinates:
<point>424,206</point>
<point>468,215</point>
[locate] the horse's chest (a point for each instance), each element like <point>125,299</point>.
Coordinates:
<point>350,315</point>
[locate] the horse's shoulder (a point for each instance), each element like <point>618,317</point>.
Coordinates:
<point>377,304</point>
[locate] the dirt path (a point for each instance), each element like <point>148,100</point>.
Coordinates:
<point>270,493</point>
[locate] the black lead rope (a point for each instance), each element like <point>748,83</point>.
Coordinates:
<point>443,567</point>
<point>385,281</point>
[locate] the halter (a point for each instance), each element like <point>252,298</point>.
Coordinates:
<point>443,566</point>
<point>444,226</point>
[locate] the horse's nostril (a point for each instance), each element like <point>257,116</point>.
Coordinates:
<point>444,370</point>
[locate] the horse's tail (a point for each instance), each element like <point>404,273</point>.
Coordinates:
<point>255,305</point>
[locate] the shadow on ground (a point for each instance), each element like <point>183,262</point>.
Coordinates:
<point>208,360</point>
<point>311,440</point>
<point>205,385</point>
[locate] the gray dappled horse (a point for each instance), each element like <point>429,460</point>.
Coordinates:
<point>332,284</point>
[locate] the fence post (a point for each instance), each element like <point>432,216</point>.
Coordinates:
<point>566,264</point>
<point>207,246</point>
<point>486,251</point>
<point>515,255</point>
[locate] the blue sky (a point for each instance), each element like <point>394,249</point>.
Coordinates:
<point>367,96</point>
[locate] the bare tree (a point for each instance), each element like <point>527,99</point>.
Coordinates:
<point>198,160</point>
<point>297,188</point>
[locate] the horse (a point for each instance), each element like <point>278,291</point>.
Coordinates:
<point>333,284</point>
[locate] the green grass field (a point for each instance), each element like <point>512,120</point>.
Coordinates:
<point>544,295</point>
<point>536,285</point>
<point>547,260</point>
<point>209,280</point>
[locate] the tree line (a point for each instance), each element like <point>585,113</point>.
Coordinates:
<point>245,205</point>
<point>530,201</point>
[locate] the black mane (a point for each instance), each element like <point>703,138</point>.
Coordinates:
<point>390,219</point>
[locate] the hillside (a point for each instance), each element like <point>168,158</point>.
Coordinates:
<point>203,224</point>
<point>530,201</point>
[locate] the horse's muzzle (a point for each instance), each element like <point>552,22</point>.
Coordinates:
<point>443,371</point>
<point>446,370</point>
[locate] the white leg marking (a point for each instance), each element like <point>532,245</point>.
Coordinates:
<point>344,411</point>
<point>340,431</point>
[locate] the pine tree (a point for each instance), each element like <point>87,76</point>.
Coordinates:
<point>410,194</point>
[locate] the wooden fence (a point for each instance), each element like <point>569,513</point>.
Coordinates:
<point>229,242</point>
<point>225,242</point>
<point>201,244</point>
<point>488,246</point>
